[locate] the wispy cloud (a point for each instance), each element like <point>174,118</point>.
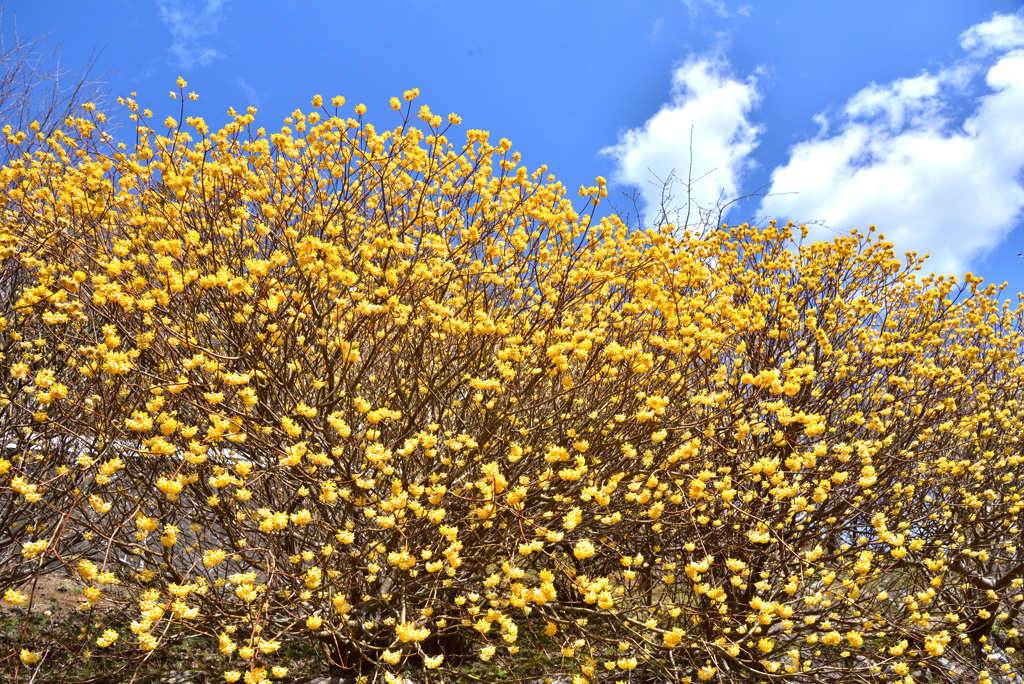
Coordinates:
<point>702,138</point>
<point>191,24</point>
<point>696,7</point>
<point>656,27</point>
<point>898,157</point>
<point>252,97</point>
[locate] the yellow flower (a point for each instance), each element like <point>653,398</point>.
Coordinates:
<point>408,631</point>
<point>30,657</point>
<point>313,578</point>
<point>735,565</point>
<point>935,644</point>
<point>14,598</point>
<point>170,536</point>
<point>246,592</point>
<point>759,535</point>
<point>226,645</point>
<point>572,518</point>
<point>108,637</point>
<point>269,646</point>
<point>583,549</point>
<point>213,557</point>
<point>32,549</point>
<point>340,603</point>
<point>673,637</point>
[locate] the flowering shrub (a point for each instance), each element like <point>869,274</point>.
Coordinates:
<point>400,397</point>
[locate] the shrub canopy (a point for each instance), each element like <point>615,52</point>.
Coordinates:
<point>400,397</point>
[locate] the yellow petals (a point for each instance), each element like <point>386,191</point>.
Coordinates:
<point>14,598</point>
<point>408,631</point>
<point>213,557</point>
<point>106,639</point>
<point>584,549</point>
<point>32,549</point>
<point>87,570</point>
<point>226,645</point>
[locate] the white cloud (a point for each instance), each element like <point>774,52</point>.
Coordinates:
<point>897,158</point>
<point>190,26</point>
<point>709,102</point>
<point>1001,32</point>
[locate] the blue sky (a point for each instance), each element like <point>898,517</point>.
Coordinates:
<point>902,114</point>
